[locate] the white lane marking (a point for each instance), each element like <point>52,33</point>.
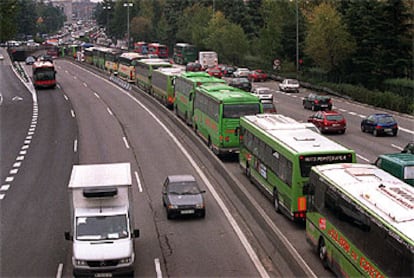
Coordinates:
<point>25,147</point>
<point>109,111</point>
<point>74,77</point>
<point>27,141</point>
<point>85,85</point>
<point>126,142</point>
<point>158,267</point>
<point>17,164</point>
<point>138,181</point>
<point>32,129</point>
<point>72,113</point>
<point>20,158</point>
<point>5,187</point>
<point>30,133</point>
<point>29,137</point>
<point>363,158</point>
<point>13,171</point>
<point>397,147</point>
<point>242,237</point>
<point>2,196</point>
<point>66,97</point>
<point>59,271</point>
<point>58,86</point>
<point>22,152</point>
<point>406,130</point>
<point>97,96</point>
<point>9,179</point>
<point>75,145</point>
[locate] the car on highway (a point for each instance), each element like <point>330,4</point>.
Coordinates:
<point>257,75</point>
<point>317,102</point>
<point>241,83</point>
<point>409,148</point>
<point>182,196</point>
<point>1,57</point>
<point>289,85</point>
<point>227,70</point>
<point>268,107</point>
<point>380,123</point>
<point>263,93</point>
<point>30,60</point>
<point>214,71</point>
<point>241,72</point>
<point>193,67</point>
<point>328,121</point>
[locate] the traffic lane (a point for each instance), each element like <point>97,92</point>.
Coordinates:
<point>16,108</point>
<point>294,232</point>
<point>157,156</point>
<point>36,203</point>
<point>354,138</point>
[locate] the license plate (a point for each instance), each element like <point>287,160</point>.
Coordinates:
<point>335,124</point>
<point>103,274</point>
<point>324,105</point>
<point>187,211</point>
<point>387,129</point>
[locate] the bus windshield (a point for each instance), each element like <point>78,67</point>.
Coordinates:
<point>233,111</point>
<point>44,73</point>
<point>307,161</point>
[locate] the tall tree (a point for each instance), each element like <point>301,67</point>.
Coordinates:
<point>328,42</point>
<point>26,24</point>
<point>8,17</point>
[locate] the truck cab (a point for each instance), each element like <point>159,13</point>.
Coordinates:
<point>102,230</point>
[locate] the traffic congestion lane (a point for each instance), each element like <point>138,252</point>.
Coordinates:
<point>290,104</point>
<point>180,246</point>
<point>35,202</point>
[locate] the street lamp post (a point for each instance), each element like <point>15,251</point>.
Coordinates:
<point>297,39</point>
<point>128,4</point>
<point>107,8</point>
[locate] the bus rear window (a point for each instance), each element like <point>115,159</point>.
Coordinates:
<point>234,111</point>
<point>307,161</point>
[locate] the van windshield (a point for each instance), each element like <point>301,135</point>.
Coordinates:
<point>101,227</point>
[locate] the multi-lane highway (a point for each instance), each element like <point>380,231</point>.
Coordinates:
<point>88,119</point>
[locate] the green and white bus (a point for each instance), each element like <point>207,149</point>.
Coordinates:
<point>99,57</point>
<point>184,53</point>
<point>217,112</point>
<point>184,91</point>
<point>277,156</point>
<point>111,60</point>
<point>163,84</point>
<point>126,65</point>
<point>144,69</point>
<point>360,221</point>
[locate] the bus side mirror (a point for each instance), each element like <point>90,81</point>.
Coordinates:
<point>308,189</point>
<point>136,233</point>
<point>68,236</point>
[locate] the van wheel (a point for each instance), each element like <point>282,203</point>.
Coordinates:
<point>276,201</point>
<point>323,256</point>
<point>248,171</point>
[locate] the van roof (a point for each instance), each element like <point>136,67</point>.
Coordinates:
<point>399,158</point>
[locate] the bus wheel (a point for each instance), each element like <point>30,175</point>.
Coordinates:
<point>276,201</point>
<point>210,145</point>
<point>323,253</point>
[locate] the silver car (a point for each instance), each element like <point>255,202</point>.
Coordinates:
<point>263,93</point>
<point>182,196</point>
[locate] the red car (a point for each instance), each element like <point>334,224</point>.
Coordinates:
<point>328,121</point>
<point>257,75</point>
<point>215,71</point>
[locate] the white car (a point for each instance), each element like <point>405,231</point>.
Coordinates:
<point>241,72</point>
<point>263,93</point>
<point>289,85</point>
<point>1,57</point>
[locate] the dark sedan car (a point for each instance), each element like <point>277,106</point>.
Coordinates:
<point>380,123</point>
<point>181,196</point>
<point>317,102</point>
<point>241,83</point>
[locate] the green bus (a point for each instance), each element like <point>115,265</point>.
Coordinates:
<point>163,84</point>
<point>184,53</point>
<point>88,55</point>
<point>217,112</point>
<point>360,221</point>
<point>111,60</point>
<point>99,57</point>
<point>144,69</point>
<point>184,90</point>
<point>400,165</point>
<point>277,156</point>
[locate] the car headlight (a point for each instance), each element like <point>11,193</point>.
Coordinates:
<point>199,206</point>
<point>80,263</point>
<point>172,206</point>
<point>125,260</point>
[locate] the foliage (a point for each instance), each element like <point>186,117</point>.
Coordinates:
<point>328,43</point>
